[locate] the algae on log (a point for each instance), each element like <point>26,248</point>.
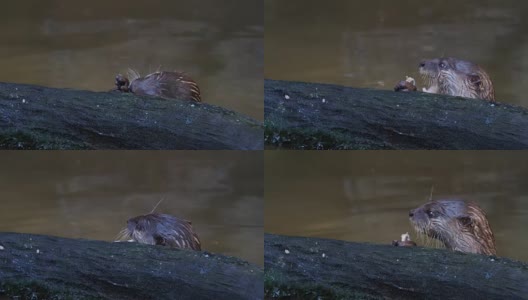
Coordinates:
<point>34,117</point>
<point>45,267</point>
<point>322,116</point>
<point>313,268</point>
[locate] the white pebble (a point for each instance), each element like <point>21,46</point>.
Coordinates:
<point>23,100</point>
<point>287,251</point>
<point>2,248</point>
<point>38,251</point>
<point>324,255</point>
<point>324,100</point>
<point>286,97</point>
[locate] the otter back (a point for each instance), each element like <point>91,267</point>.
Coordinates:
<point>163,84</point>
<point>161,229</point>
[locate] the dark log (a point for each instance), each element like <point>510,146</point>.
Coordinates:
<point>322,116</point>
<point>312,268</point>
<point>34,117</point>
<point>45,267</point>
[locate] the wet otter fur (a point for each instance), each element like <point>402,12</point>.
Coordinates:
<point>161,229</point>
<point>455,77</point>
<point>459,225</point>
<point>163,84</point>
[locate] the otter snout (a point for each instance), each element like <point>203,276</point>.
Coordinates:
<point>427,66</point>
<point>418,217</point>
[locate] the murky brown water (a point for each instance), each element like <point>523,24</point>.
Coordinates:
<point>84,44</point>
<point>91,195</point>
<point>376,43</point>
<point>365,196</point>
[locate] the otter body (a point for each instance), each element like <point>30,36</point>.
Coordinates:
<point>455,77</point>
<point>161,229</point>
<point>167,85</point>
<point>460,225</point>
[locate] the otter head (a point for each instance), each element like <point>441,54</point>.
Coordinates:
<point>161,229</point>
<point>460,225</point>
<point>455,77</point>
<point>122,83</point>
<point>138,229</point>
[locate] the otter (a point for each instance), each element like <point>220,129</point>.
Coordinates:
<point>455,77</point>
<point>163,84</point>
<point>460,225</point>
<point>161,229</point>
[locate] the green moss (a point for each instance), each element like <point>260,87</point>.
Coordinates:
<point>275,287</point>
<point>307,139</point>
<point>33,290</point>
<point>19,140</point>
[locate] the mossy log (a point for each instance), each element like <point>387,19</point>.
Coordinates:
<point>34,117</point>
<point>313,268</point>
<point>322,116</point>
<point>46,267</point>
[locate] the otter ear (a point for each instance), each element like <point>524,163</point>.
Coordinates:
<point>475,79</point>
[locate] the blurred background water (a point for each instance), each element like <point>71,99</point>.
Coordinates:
<point>365,196</point>
<point>92,194</point>
<point>375,44</point>
<point>84,44</point>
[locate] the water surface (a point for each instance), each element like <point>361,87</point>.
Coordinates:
<point>375,44</point>
<point>90,195</point>
<point>84,44</point>
<point>365,196</point>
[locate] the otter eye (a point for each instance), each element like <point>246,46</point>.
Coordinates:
<point>430,213</point>
<point>443,65</point>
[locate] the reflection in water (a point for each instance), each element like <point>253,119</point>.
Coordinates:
<point>84,44</point>
<point>92,194</point>
<point>376,43</point>
<point>365,196</point>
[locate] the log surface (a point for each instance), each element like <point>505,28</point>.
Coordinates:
<point>322,116</point>
<point>46,267</point>
<point>308,268</point>
<point>34,117</point>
